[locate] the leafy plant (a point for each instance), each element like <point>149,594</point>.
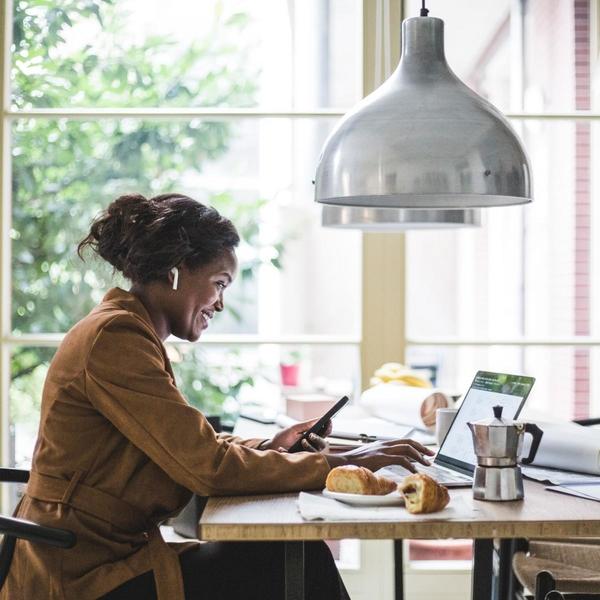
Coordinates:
<point>66,170</point>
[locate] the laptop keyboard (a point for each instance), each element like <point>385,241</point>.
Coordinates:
<point>440,474</point>
<point>444,475</point>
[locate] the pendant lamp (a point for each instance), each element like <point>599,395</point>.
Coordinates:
<point>423,140</point>
<point>397,219</point>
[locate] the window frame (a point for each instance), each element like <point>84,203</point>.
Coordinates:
<point>580,341</point>
<point>9,340</point>
<point>383,332</point>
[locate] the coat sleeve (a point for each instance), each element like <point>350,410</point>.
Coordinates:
<point>233,439</point>
<point>126,380</point>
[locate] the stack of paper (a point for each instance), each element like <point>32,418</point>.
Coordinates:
<point>356,420</point>
<point>556,476</point>
<point>587,490</point>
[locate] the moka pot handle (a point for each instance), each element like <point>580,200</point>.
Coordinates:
<point>536,434</point>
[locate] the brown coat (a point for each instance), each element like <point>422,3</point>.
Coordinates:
<point>119,450</point>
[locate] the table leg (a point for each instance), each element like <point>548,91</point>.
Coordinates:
<point>398,571</point>
<point>503,576</point>
<point>481,587</point>
<point>294,570</point>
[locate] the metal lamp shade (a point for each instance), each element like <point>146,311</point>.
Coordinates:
<point>397,219</point>
<point>423,139</point>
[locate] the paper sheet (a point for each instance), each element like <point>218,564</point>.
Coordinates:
<point>589,491</point>
<point>372,426</point>
<point>555,476</point>
<point>315,506</point>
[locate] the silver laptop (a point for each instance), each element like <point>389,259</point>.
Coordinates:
<point>455,461</point>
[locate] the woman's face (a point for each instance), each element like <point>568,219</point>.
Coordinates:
<point>199,295</point>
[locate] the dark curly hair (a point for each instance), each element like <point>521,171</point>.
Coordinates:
<point>146,237</point>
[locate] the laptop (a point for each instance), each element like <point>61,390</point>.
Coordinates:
<point>455,462</point>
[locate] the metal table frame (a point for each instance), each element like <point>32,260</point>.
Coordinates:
<point>487,582</point>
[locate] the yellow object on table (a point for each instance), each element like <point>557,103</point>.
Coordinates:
<point>400,374</point>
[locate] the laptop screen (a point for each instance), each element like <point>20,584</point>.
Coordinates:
<point>486,391</point>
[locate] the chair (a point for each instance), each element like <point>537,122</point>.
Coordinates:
<point>564,568</point>
<point>13,528</point>
<point>570,566</point>
<point>560,596</point>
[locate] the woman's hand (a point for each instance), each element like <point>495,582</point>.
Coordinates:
<point>381,454</point>
<point>286,438</point>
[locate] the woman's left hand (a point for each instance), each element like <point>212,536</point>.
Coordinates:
<point>286,438</point>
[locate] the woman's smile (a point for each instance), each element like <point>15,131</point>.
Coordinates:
<point>205,316</point>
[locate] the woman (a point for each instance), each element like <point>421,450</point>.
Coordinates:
<point>120,450</point>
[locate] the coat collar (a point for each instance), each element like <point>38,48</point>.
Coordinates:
<point>131,303</point>
<point>128,302</point>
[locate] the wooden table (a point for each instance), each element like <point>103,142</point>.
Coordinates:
<point>542,514</point>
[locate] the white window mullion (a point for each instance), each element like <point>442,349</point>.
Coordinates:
<point>212,113</point>
<point>587,341</point>
<point>216,113</point>
<point>5,251</point>
<point>50,340</point>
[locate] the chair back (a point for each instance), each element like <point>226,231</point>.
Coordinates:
<point>14,528</point>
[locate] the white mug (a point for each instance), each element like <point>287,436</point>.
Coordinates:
<point>443,420</point>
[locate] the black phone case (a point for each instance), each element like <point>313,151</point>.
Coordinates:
<point>318,428</point>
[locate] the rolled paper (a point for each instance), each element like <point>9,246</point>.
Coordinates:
<point>404,404</point>
<point>567,446</point>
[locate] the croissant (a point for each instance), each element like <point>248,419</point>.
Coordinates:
<point>350,479</point>
<point>422,494</point>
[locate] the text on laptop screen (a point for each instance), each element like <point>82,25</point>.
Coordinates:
<point>486,391</point>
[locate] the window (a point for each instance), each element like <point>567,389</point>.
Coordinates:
<point>520,293</point>
<point>227,101</point>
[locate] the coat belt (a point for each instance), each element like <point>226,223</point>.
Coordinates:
<point>164,560</point>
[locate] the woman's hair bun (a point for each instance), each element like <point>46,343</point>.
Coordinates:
<point>112,231</point>
<point>145,237</point>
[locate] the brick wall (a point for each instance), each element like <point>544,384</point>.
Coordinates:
<point>582,289</point>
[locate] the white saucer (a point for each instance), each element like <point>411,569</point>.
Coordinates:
<point>392,499</point>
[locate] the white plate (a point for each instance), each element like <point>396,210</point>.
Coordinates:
<point>392,499</point>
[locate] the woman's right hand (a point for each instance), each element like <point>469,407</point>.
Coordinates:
<point>381,454</point>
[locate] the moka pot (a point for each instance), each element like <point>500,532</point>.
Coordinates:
<point>498,443</point>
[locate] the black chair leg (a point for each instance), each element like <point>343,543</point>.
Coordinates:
<point>398,570</point>
<point>6,554</point>
<point>515,589</point>
<point>544,584</point>
<point>556,595</point>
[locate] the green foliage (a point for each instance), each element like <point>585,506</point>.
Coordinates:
<point>66,171</point>
<point>212,383</point>
<point>28,373</point>
<point>115,71</point>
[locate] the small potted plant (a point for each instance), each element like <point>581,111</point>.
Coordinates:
<point>289,368</point>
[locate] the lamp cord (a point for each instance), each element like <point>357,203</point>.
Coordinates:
<point>424,11</point>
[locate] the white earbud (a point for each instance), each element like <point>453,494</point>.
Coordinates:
<point>175,272</point>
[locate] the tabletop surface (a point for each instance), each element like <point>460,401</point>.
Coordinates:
<point>541,514</point>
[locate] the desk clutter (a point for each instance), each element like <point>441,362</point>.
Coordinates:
<point>568,446</point>
<point>351,488</point>
<point>421,493</point>
<point>590,490</point>
<point>315,506</point>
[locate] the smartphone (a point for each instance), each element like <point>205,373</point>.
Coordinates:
<point>320,426</point>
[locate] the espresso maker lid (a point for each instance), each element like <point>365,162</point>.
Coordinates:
<point>497,420</point>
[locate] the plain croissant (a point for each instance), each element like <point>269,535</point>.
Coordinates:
<point>422,494</point>
<point>351,479</point>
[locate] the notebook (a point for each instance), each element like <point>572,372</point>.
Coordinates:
<point>455,461</point>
